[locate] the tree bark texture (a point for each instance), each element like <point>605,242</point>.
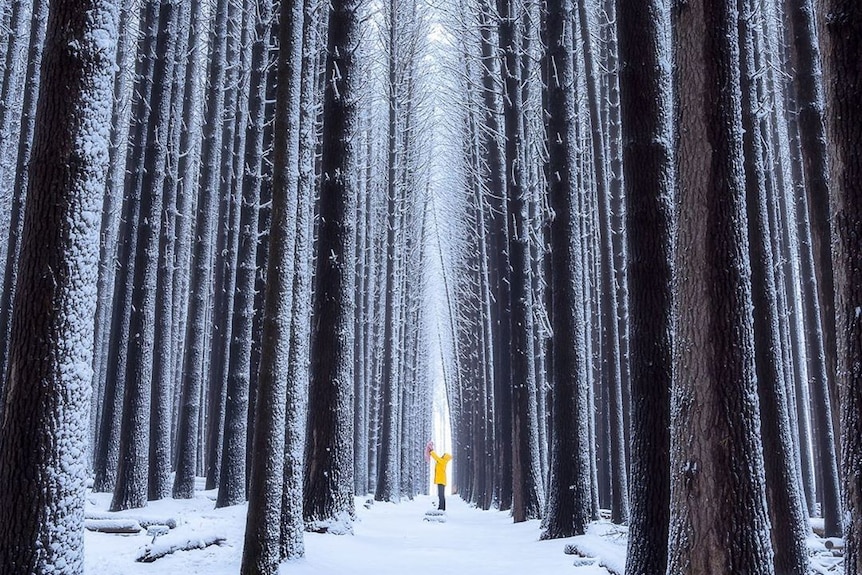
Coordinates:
<point>44,431</point>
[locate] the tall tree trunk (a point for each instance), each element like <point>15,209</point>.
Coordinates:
<point>199,286</point>
<point>232,479</point>
<point>568,506</point>
<point>263,535</point>
<point>156,61</point>
<point>328,481</point>
<point>842,46</point>
<point>718,500</point>
<point>786,513</point>
<point>646,99</point>
<point>610,350</point>
<point>42,458</point>
<point>36,37</point>
<point>388,485</point>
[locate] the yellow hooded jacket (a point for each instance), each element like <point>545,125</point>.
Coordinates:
<point>440,467</point>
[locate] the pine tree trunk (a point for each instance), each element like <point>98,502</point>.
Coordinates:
<point>156,60</point>
<point>232,479</point>
<point>328,481</point>
<point>646,100</point>
<point>842,46</point>
<point>196,340</point>
<point>42,458</point>
<point>811,103</point>
<point>787,516</point>
<point>36,37</point>
<point>568,507</point>
<point>718,504</point>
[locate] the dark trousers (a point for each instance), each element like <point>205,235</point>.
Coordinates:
<point>441,493</point>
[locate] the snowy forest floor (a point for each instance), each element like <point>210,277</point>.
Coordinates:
<point>388,539</point>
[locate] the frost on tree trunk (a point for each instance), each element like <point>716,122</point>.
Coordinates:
<point>719,521</point>
<point>44,433</point>
<point>646,100</point>
<point>787,514</point>
<point>262,550</point>
<point>328,480</point>
<point>201,274</point>
<point>232,479</point>
<point>156,61</point>
<point>843,43</point>
<point>568,507</point>
<point>808,81</point>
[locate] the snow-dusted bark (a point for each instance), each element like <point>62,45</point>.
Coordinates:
<point>812,133</point>
<point>842,46</point>
<point>112,212</point>
<point>646,102</point>
<point>188,165</point>
<point>610,350</point>
<point>276,395</point>
<point>232,479</point>
<point>526,483</point>
<point>200,282</point>
<point>13,76</point>
<point>568,505</point>
<point>719,520</point>
<point>155,81</point>
<point>44,431</point>
<point>388,486</point>
<point>25,143</point>
<point>292,522</point>
<point>328,483</point>
<point>166,347</point>
<point>787,515</point>
<point>117,338</point>
<point>226,246</point>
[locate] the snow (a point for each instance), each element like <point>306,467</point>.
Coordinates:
<point>388,539</point>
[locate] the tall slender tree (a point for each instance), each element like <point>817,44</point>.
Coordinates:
<point>842,46</point>
<point>568,504</point>
<point>328,480</point>
<point>156,61</point>
<point>718,500</point>
<point>646,99</point>
<point>44,429</point>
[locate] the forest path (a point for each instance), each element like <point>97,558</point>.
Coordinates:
<point>393,539</point>
<point>388,539</point>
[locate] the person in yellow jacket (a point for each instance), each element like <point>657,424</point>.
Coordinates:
<point>440,476</point>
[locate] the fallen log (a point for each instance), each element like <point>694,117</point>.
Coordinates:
<point>118,525</point>
<point>152,551</point>
<point>143,520</point>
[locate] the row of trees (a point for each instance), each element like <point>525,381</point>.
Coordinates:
<point>684,330</point>
<point>637,247</point>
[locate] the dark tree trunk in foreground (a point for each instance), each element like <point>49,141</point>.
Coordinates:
<point>646,102</point>
<point>718,504</point>
<point>843,45</point>
<point>328,496</point>
<point>261,553</point>
<point>44,431</point>
<point>568,507</point>
<point>522,434</point>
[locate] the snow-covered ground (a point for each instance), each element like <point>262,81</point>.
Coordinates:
<point>388,539</point>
